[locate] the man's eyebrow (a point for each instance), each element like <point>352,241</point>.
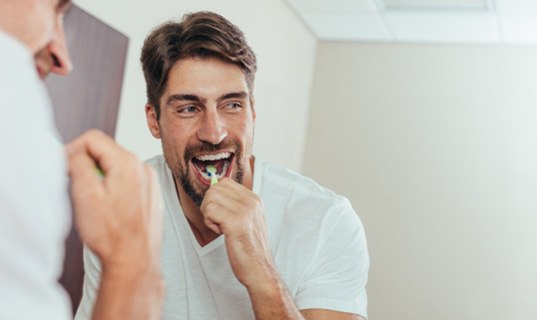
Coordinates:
<point>193,97</point>
<point>234,95</point>
<point>184,97</point>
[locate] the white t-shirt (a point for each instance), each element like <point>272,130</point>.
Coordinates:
<point>317,242</point>
<point>34,205</point>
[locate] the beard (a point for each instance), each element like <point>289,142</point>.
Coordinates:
<point>184,175</point>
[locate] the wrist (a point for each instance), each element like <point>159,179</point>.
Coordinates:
<point>272,300</point>
<point>135,260</point>
<point>127,269</point>
<point>269,286</point>
<point>134,279</point>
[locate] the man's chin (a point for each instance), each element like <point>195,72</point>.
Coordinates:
<point>193,191</point>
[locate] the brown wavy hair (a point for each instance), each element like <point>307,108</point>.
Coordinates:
<point>201,34</point>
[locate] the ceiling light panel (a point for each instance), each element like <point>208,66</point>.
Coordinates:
<point>444,27</point>
<point>519,8</point>
<point>363,27</point>
<point>435,4</point>
<point>333,6</point>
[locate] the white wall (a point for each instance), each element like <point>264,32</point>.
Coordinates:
<point>436,146</point>
<point>285,51</point>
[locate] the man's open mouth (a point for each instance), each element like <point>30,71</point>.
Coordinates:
<point>221,161</point>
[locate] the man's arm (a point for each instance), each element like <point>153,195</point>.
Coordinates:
<point>119,217</point>
<point>129,294</point>
<point>235,211</point>
<point>276,303</point>
<point>320,314</point>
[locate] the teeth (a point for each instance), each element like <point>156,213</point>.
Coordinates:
<point>213,157</point>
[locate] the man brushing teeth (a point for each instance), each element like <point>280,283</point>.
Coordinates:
<point>220,162</point>
<point>225,162</point>
<point>263,242</point>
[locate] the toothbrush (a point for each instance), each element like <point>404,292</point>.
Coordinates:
<point>211,170</point>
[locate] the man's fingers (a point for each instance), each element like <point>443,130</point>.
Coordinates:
<point>86,191</point>
<point>82,171</point>
<point>233,190</point>
<point>99,146</point>
<point>227,206</point>
<point>213,226</point>
<point>229,195</point>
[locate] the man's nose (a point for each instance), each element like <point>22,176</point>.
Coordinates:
<point>213,128</point>
<point>59,52</point>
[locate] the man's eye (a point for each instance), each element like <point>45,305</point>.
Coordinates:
<point>187,110</point>
<point>233,105</point>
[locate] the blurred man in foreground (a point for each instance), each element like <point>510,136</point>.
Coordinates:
<point>119,215</point>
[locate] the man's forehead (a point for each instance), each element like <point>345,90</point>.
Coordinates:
<point>207,78</point>
<point>203,65</point>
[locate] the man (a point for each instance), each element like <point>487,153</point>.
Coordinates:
<point>118,215</point>
<point>262,242</point>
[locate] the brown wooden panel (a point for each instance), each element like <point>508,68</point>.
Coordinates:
<point>87,98</point>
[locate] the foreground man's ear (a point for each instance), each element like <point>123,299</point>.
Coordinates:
<point>59,52</point>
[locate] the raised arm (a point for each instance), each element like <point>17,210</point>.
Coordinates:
<point>119,217</point>
<point>232,209</point>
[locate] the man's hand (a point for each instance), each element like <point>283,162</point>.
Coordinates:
<point>234,210</point>
<point>237,212</point>
<point>119,217</point>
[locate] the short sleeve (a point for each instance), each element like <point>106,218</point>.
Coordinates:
<point>337,275</point>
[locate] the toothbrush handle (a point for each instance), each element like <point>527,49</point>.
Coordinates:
<point>214,180</point>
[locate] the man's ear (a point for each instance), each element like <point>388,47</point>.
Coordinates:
<point>152,121</point>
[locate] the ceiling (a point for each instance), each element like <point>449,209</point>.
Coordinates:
<point>425,21</point>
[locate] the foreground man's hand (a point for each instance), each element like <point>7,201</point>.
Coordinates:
<point>119,217</point>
